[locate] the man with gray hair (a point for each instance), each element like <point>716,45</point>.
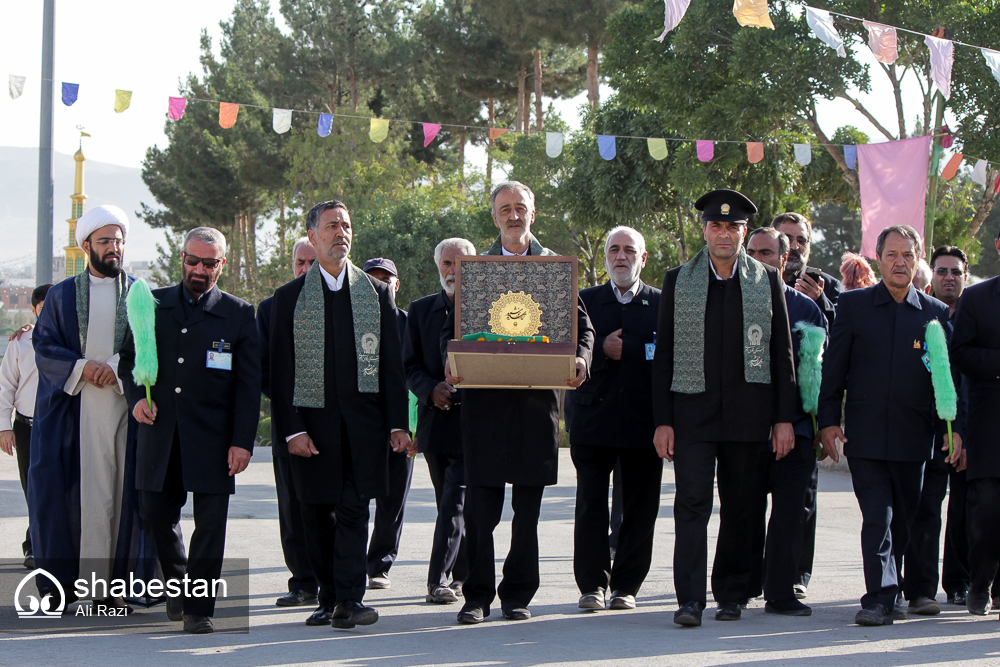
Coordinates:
<point>302,583</point>
<point>922,278</point>
<point>525,453</point>
<point>198,432</point>
<point>439,432</point>
<point>612,425</point>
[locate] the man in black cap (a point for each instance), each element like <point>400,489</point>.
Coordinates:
<point>388,524</point>
<point>723,375</point>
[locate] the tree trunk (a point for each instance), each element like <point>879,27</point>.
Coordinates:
<point>526,119</point>
<point>354,90</point>
<point>897,93</point>
<point>593,92</point>
<point>522,77</point>
<point>282,240</point>
<point>489,148</point>
<point>234,255</point>
<point>539,119</point>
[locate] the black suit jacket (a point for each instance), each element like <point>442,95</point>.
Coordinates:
<point>614,407</point>
<point>875,355</point>
<point>210,409</point>
<point>367,419</point>
<point>438,431</point>
<point>730,409</point>
<point>975,349</point>
<point>827,302</point>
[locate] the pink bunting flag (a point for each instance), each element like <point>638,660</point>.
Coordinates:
<point>893,179</point>
<point>996,186</point>
<point>755,151</point>
<point>430,132</point>
<point>175,110</point>
<point>706,150</point>
<point>882,40</point>
<point>942,58</point>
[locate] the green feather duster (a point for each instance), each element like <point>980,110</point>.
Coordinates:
<point>810,372</point>
<point>945,396</point>
<point>141,307</point>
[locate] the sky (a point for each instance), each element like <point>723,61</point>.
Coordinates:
<point>147,47</point>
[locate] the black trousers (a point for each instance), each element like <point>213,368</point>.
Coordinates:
<point>483,507</point>
<point>22,443</point>
<point>336,537</point>
<point>694,476</point>
<point>641,475</point>
<point>161,514</point>
<point>888,493</point>
<point>388,524</point>
<point>983,527</point>
<point>920,562</point>
<point>955,576</point>
<point>291,529</point>
<point>777,546</point>
<point>616,505</point>
<point>809,530</point>
<point>448,561</point>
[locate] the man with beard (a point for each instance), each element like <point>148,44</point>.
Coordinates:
<point>777,548</point>
<point>949,267</point>
<point>199,431</point>
<point>612,427</point>
<point>439,426</point>
<point>825,290</point>
<point>81,497</point>
<point>723,376</point>
<point>877,357</point>
<point>302,583</point>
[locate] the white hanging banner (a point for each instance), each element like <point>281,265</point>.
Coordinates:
<point>993,61</point>
<point>673,12</point>
<point>282,120</point>
<point>822,25</point>
<point>553,143</point>
<point>942,58</point>
<point>803,154</point>
<point>979,173</point>
<point>16,86</point>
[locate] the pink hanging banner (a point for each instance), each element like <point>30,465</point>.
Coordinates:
<point>176,109</point>
<point>893,179</point>
<point>430,131</point>
<point>706,150</point>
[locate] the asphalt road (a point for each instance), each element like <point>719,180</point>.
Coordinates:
<point>412,632</point>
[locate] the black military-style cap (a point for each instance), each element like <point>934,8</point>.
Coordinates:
<point>725,205</point>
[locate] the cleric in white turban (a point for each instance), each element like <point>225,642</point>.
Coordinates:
<point>81,502</point>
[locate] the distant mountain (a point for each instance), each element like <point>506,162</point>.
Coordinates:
<point>103,184</point>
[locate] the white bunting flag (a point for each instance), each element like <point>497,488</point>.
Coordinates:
<point>882,41</point>
<point>993,61</point>
<point>282,120</point>
<point>942,58</point>
<point>673,12</point>
<point>803,154</point>
<point>553,143</point>
<point>979,173</point>
<point>16,85</point>
<point>822,25</point>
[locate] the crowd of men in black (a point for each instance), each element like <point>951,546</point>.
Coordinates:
<point>340,440</point>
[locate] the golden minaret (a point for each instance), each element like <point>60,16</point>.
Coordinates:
<point>76,259</point>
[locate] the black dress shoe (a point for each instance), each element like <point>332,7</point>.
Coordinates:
<point>322,615</point>
<point>29,561</point>
<point>958,597</point>
<point>689,615</point>
<point>873,615</point>
<point>728,611</point>
<point>515,612</point>
<point>978,603</point>
<point>295,599</point>
<point>472,614</point>
<point>349,613</point>
<point>175,608</point>
<point>790,607</point>
<point>198,625</point>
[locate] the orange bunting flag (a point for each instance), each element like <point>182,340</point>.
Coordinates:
<point>496,132</point>
<point>755,151</point>
<point>227,114</point>
<point>752,13</point>
<point>951,169</point>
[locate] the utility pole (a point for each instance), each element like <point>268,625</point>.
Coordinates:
<point>46,174</point>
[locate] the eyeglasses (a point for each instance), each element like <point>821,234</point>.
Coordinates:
<point>118,243</point>
<point>944,272</point>
<point>208,262</point>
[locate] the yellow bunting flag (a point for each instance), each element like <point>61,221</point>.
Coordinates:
<point>755,151</point>
<point>227,114</point>
<point>379,130</point>
<point>657,148</point>
<point>497,132</point>
<point>752,13</point>
<point>123,98</point>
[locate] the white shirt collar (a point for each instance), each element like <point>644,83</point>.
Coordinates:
<point>333,283</point>
<point>94,280</point>
<point>629,293</point>
<point>514,254</point>
<point>711,264</point>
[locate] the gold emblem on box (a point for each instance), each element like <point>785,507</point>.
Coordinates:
<point>515,314</point>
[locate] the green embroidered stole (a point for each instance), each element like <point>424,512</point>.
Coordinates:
<point>690,298</point>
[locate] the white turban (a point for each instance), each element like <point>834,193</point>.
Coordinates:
<point>97,217</point>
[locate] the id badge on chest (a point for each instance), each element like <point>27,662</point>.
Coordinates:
<point>218,359</point>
